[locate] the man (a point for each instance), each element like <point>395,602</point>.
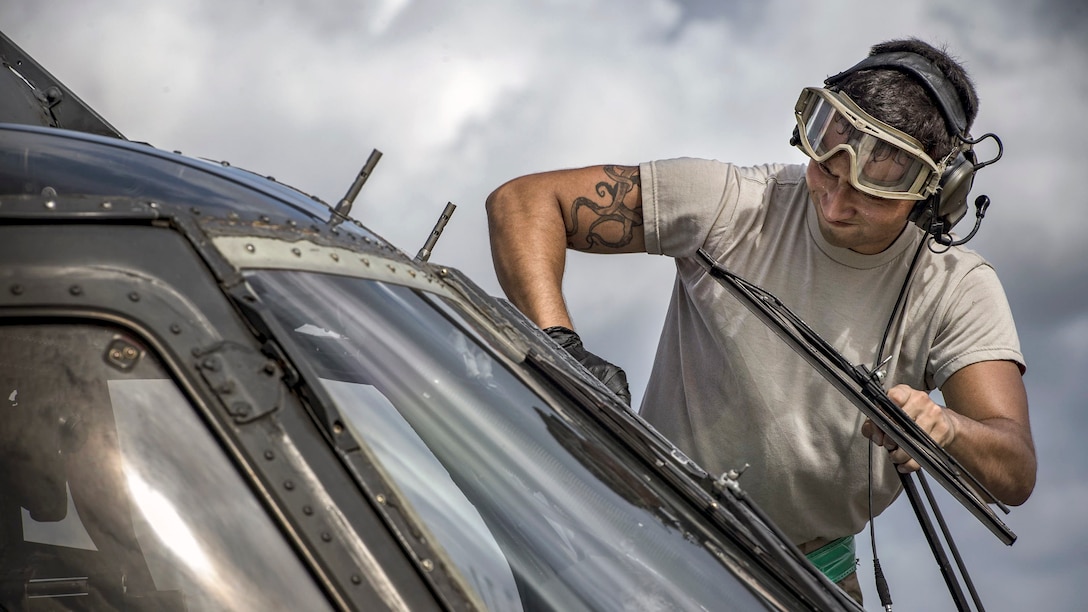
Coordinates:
<point>889,144</point>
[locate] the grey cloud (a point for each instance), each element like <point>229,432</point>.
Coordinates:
<point>1047,297</point>
<point>1067,19</point>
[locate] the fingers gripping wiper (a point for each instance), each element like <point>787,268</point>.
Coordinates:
<point>862,387</point>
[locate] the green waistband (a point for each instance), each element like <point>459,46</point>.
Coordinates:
<point>836,559</point>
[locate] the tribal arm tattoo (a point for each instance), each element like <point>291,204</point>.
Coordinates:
<point>613,216</point>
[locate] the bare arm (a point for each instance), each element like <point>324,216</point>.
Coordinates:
<point>532,220</point>
<point>985,427</point>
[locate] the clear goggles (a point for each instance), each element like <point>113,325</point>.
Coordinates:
<point>885,162</point>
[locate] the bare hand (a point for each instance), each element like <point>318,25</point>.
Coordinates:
<point>932,418</point>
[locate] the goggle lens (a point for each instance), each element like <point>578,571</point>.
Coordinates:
<point>881,166</point>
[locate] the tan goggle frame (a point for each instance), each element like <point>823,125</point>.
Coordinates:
<point>928,173</point>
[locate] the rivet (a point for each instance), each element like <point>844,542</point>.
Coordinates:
<point>326,536</point>
<point>334,256</point>
<point>338,428</point>
<point>297,252</point>
<point>135,297</point>
<point>153,204</point>
<point>17,289</point>
<point>50,204</point>
<point>106,205</point>
<point>175,328</point>
<point>251,248</point>
<point>269,455</point>
<point>355,579</point>
<point>289,485</point>
<point>380,498</point>
<point>428,565</point>
<point>307,510</point>
<point>75,290</point>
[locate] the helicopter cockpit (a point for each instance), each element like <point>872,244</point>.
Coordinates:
<point>112,498</point>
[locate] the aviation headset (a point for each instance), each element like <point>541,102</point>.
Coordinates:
<point>938,213</point>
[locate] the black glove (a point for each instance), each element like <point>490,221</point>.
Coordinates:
<point>611,375</point>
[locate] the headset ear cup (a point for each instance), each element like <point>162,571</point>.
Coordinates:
<point>926,216</point>
<point>950,201</point>
<point>955,186</point>
<point>919,215</point>
<point>922,213</point>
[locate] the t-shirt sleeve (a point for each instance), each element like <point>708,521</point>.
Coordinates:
<point>688,203</point>
<point>682,199</point>
<point>976,326</point>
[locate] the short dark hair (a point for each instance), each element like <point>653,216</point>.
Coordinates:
<point>898,99</point>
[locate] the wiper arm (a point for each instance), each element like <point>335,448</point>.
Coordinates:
<point>862,387</point>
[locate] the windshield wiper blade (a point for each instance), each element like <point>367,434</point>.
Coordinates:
<point>862,387</point>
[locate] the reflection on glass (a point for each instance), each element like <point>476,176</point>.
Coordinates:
<point>121,460</point>
<point>168,525</point>
<point>215,543</point>
<point>536,506</point>
<point>425,481</point>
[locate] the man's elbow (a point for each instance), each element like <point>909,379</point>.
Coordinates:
<point>493,203</point>
<point>504,201</point>
<point>1020,490</point>
<point>1018,498</point>
<point>1018,481</point>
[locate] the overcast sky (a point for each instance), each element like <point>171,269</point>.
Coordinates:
<point>461,96</point>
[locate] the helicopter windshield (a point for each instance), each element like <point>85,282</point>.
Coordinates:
<point>533,503</point>
<point>113,493</point>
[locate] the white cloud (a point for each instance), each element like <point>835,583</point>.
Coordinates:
<point>386,13</point>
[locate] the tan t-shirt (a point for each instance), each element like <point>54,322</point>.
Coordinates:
<point>728,392</point>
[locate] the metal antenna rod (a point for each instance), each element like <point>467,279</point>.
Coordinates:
<point>950,579</point>
<point>425,253</point>
<point>343,208</point>
<point>951,543</point>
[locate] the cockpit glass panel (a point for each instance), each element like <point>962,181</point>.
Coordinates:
<point>535,505</point>
<point>114,495</point>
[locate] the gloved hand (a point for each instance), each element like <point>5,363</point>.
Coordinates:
<point>611,375</point>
